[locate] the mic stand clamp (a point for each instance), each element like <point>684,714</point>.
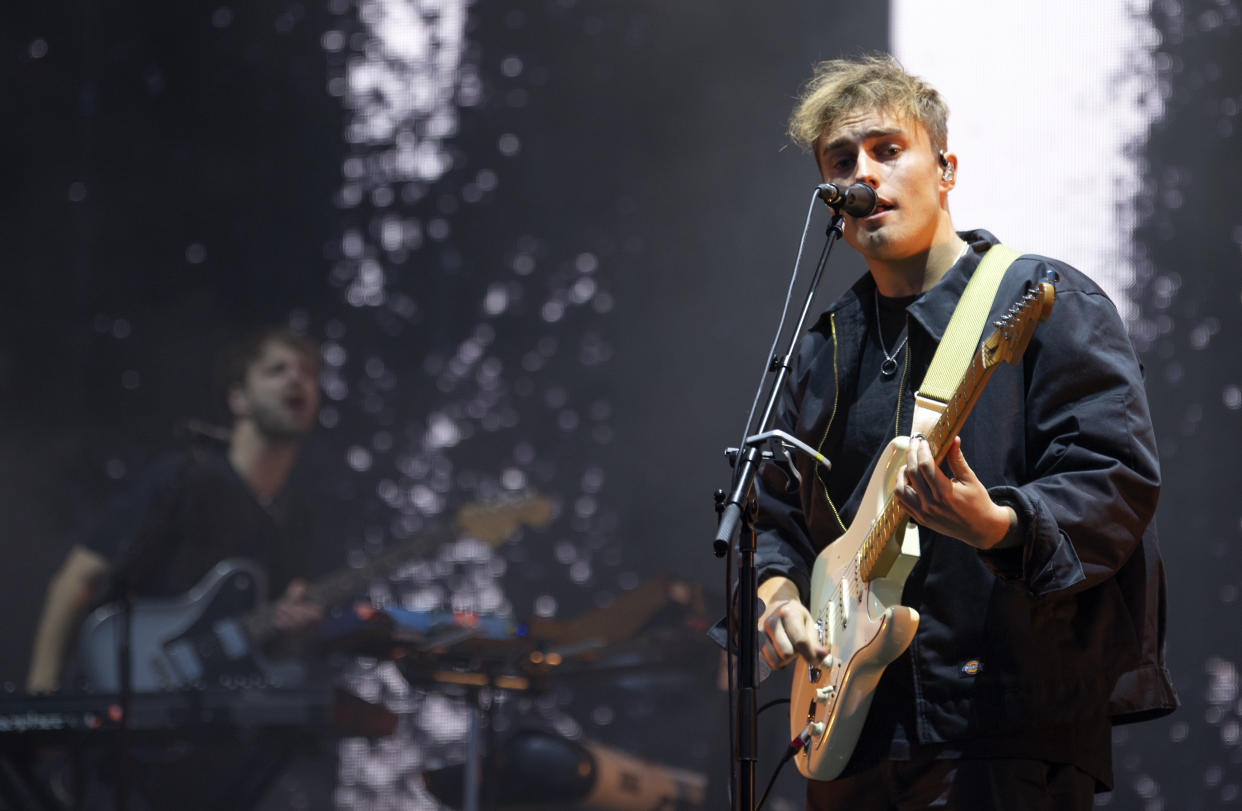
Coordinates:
<point>781,442</point>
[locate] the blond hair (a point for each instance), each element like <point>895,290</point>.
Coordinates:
<point>872,82</point>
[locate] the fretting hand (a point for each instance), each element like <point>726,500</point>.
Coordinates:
<point>958,505</point>
<point>295,611</point>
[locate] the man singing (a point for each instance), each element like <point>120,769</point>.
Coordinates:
<point>193,509</point>
<point>189,511</point>
<point>1039,585</point>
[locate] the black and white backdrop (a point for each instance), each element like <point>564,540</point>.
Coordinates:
<point>545,244</point>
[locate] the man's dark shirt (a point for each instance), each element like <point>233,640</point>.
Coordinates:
<point>180,517</point>
<point>191,510</point>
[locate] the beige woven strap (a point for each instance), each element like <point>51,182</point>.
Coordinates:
<point>961,338</point>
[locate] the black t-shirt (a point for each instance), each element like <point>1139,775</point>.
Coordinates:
<point>874,417</point>
<point>191,510</point>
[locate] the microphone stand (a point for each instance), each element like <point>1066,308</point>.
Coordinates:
<point>125,665</point>
<point>737,513</point>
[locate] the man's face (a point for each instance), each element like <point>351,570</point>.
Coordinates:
<point>281,392</point>
<point>894,156</point>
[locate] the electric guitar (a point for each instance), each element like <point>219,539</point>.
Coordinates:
<point>857,579</point>
<point>213,635</point>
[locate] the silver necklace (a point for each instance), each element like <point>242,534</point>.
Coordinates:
<point>889,367</point>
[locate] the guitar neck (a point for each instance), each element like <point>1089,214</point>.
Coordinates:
<point>883,543</point>
<point>958,408</point>
<point>341,585</point>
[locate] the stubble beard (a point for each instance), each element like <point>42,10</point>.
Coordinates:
<point>871,243</point>
<point>278,426</point>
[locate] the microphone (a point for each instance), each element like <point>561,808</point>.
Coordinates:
<point>858,200</point>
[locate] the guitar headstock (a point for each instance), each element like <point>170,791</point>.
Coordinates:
<point>1015,328</point>
<point>492,522</point>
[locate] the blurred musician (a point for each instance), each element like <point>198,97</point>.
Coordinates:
<point>193,509</point>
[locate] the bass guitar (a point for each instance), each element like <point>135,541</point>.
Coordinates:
<point>214,635</point>
<point>857,579</point>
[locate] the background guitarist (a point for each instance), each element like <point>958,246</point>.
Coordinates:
<point>189,511</point>
<point>1040,585</point>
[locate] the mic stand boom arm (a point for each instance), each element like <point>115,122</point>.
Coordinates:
<point>736,513</point>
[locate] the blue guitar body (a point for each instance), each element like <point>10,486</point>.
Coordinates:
<point>196,640</point>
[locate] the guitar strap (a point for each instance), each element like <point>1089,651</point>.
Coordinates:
<point>961,338</point>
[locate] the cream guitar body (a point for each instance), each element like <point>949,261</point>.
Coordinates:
<point>864,626</point>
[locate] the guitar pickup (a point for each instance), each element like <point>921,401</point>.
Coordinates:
<point>232,638</point>
<point>184,660</point>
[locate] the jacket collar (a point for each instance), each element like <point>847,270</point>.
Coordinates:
<point>933,309</point>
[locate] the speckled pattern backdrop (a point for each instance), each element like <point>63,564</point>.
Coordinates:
<point>544,244</point>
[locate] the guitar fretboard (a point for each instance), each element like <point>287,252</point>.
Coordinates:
<point>341,585</point>
<point>883,544</point>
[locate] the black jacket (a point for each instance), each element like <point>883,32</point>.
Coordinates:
<point>1033,638</point>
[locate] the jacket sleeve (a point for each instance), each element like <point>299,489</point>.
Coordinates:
<point>1093,477</point>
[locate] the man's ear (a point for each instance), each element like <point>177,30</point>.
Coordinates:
<point>948,170</point>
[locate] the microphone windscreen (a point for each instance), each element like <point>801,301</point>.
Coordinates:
<point>860,200</point>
